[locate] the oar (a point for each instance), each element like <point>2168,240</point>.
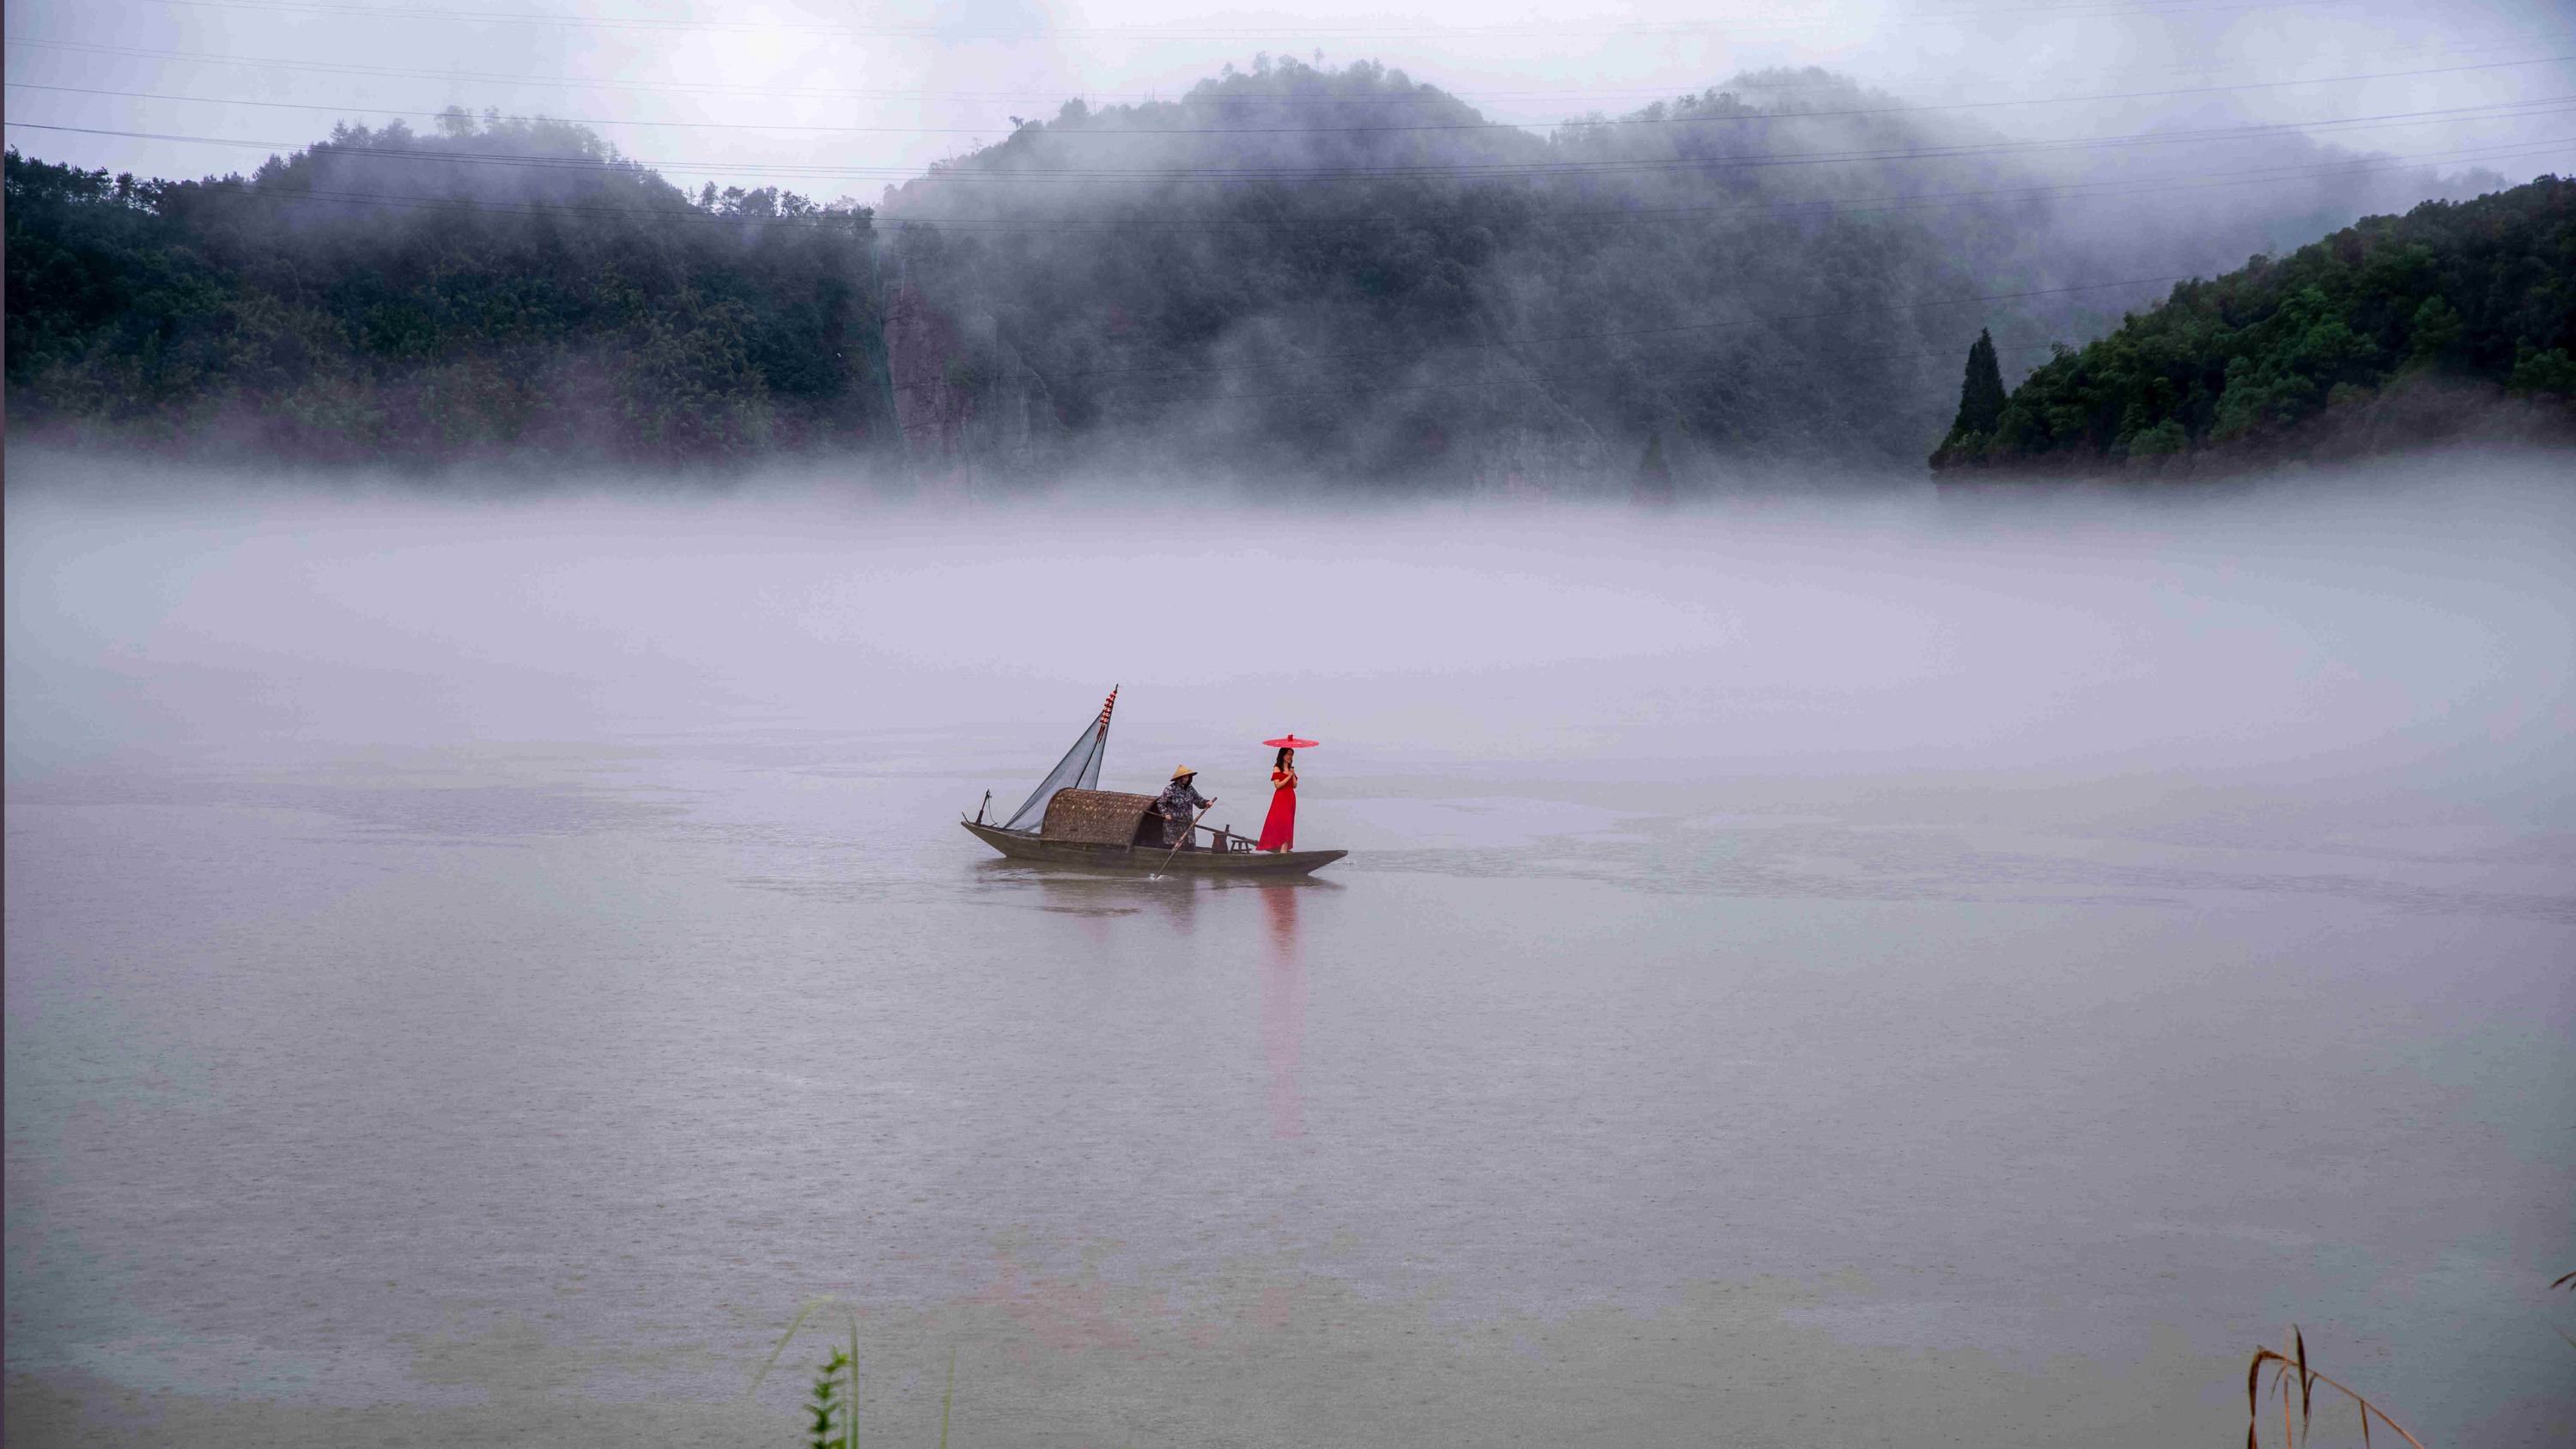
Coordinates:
<point>1184,840</point>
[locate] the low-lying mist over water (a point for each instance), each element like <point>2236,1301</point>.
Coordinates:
<point>1862,965</point>
<point>2408,616</point>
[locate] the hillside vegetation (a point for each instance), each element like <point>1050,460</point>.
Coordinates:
<point>1345,271</point>
<point>391,296</point>
<point>1290,271</point>
<point>2270,357</point>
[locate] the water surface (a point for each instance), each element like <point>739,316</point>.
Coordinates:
<point>1847,979</point>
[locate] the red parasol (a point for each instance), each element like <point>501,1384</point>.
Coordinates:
<point>1290,742</point>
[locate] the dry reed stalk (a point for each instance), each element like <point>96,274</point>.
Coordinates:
<point>2296,1362</point>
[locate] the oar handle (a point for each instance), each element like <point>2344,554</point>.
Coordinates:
<point>1185,833</point>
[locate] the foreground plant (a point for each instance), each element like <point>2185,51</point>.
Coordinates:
<point>2295,1363</point>
<point>830,1409</point>
<point>834,1400</point>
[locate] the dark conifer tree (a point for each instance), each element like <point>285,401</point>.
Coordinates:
<point>1981,395</point>
<point>1654,475</point>
<point>1652,468</point>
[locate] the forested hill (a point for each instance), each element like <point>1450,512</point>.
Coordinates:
<point>1342,270</point>
<point>390,296</point>
<point>2394,330</point>
<point>1294,270</point>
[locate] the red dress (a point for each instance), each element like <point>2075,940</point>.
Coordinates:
<point>1280,829</point>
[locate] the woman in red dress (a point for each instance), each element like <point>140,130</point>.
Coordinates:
<point>1279,831</point>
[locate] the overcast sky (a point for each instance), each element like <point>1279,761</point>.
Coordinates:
<point>837,99</point>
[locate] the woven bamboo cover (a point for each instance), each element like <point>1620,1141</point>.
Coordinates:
<point>1094,817</point>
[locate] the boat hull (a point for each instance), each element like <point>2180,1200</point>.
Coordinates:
<point>1019,845</point>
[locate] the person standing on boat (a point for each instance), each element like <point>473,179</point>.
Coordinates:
<point>1279,831</point>
<point>1180,806</point>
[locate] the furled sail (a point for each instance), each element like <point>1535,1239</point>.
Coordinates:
<point>1079,770</point>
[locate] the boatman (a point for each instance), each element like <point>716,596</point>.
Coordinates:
<point>1180,806</point>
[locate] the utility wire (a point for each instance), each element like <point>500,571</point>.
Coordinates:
<point>1125,133</point>
<point>2078,190</point>
<point>680,210</point>
<point>1718,161</point>
<point>1498,170</point>
<point>2084,10</point>
<point>1738,86</point>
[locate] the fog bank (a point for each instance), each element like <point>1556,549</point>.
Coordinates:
<point>2411,619</point>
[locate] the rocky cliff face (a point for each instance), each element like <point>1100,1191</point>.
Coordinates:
<point>922,347</point>
<point>964,400</point>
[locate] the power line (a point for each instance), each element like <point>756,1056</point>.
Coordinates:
<point>1721,161</point>
<point>682,211</point>
<point>1096,132</point>
<point>1488,171</point>
<point>1737,85</point>
<point>2081,10</point>
<point>2079,190</point>
<point>1577,217</point>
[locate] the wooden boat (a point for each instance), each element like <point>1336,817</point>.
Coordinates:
<point>1108,830</point>
<point>1066,821</point>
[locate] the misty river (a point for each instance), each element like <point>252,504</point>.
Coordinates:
<point>1865,967</point>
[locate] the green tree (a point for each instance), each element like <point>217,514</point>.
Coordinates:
<point>2476,289</point>
<point>1981,407</point>
<point>2437,330</point>
<point>1981,393</point>
<point>2553,371</point>
<point>392,296</point>
<point>1652,470</point>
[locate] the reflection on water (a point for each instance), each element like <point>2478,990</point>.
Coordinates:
<point>1283,1009</point>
